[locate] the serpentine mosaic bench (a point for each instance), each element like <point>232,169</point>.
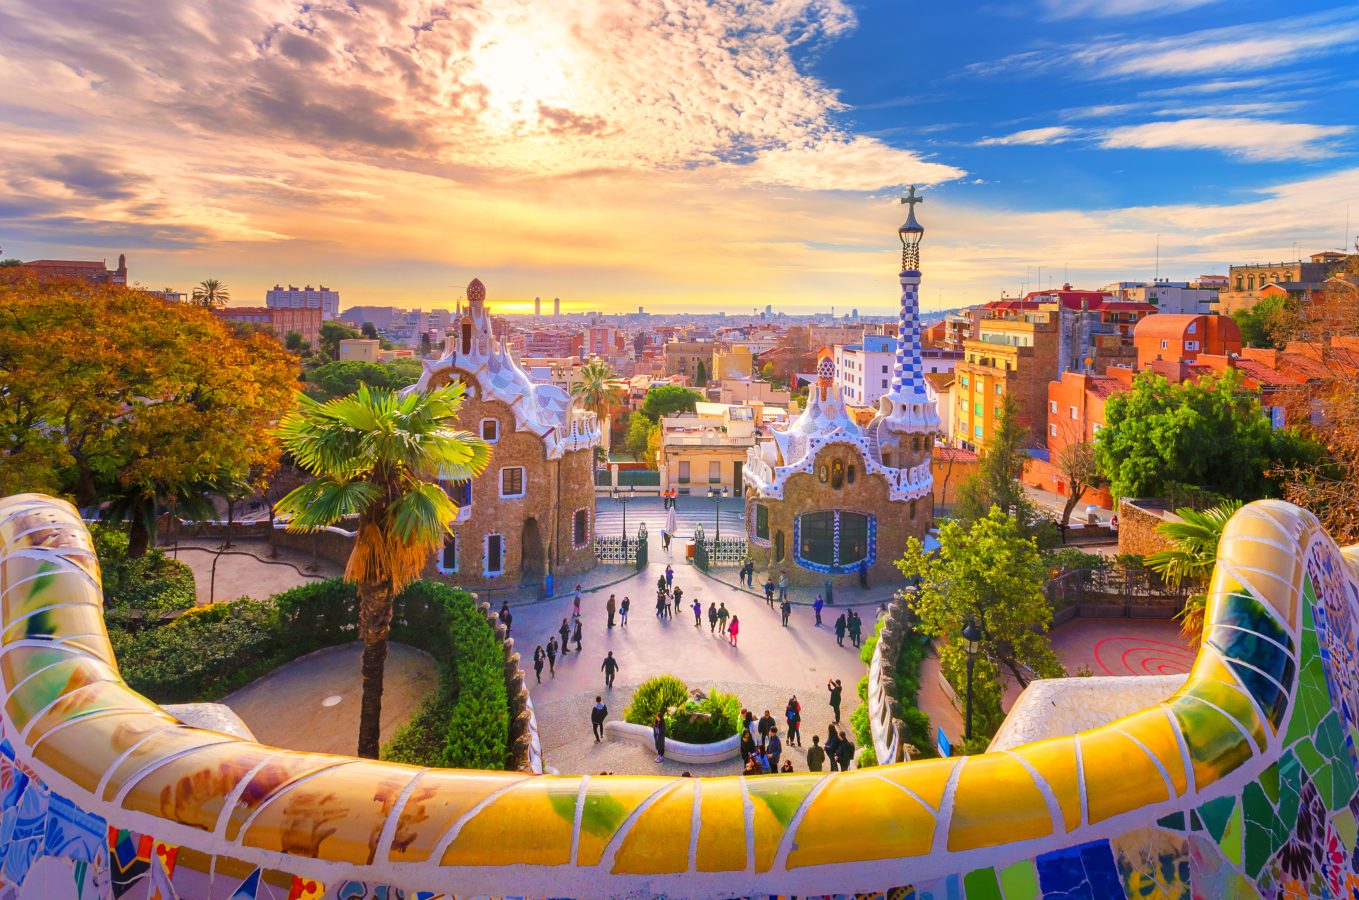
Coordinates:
<point>1241,783</point>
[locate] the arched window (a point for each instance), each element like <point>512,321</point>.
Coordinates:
<point>849,474</point>
<point>823,473</point>
<point>837,474</point>
<point>779,551</point>
<point>448,557</point>
<point>834,541</point>
<point>761,522</point>
<point>912,510</point>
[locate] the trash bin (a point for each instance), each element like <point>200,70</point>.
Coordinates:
<point>689,551</point>
<point>830,593</point>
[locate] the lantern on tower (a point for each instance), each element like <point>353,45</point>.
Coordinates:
<point>910,233</point>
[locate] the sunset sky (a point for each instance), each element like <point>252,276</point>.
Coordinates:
<point>671,154</point>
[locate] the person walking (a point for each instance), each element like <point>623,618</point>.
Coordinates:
<point>597,715</point>
<point>734,629</point>
<point>816,757</point>
<point>662,604</point>
<point>817,606</point>
<point>575,635</point>
<point>611,608</point>
<point>669,576</point>
<point>565,632</point>
<point>765,726</point>
<point>856,627</point>
<point>552,657</point>
<point>665,539</point>
<point>505,617</point>
<point>792,714</point>
<point>712,618</point>
<point>836,692</point>
<point>863,573</point>
<point>575,603</point>
<point>658,736</point>
<point>623,611</point>
<point>679,593</point>
<point>783,585</point>
<point>610,669</point>
<point>786,609</point>
<point>840,631</point>
<point>844,752</point>
<point>722,616</point>
<point>539,655</point>
<point>769,589</point>
<point>832,744</point>
<point>774,749</point>
<point>698,614</point>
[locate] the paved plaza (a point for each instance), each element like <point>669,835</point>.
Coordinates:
<point>250,568</point>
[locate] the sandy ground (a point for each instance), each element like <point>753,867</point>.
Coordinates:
<point>287,707</point>
<point>241,575</point>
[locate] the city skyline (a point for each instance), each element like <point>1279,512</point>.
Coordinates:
<point>621,155</point>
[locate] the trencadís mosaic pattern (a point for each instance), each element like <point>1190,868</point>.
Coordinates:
<point>1242,784</point>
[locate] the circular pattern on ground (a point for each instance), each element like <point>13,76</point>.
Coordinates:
<point>332,700</point>
<point>1142,656</point>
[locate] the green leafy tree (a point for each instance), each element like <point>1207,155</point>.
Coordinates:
<point>1211,434</point>
<point>371,453</point>
<point>293,341</point>
<point>331,335</point>
<point>1264,324</point>
<point>700,374</point>
<point>210,294</point>
<point>369,330</point>
<point>996,479</point>
<point>1191,558</point>
<point>341,377</point>
<point>669,399</point>
<point>990,573</point>
<point>639,432</point>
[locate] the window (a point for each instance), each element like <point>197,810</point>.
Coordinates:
<point>1191,345</point>
<point>761,522</point>
<point>965,379</point>
<point>977,431</point>
<point>715,472</point>
<point>448,557</point>
<point>834,541</point>
<point>998,390</point>
<point>490,430</point>
<point>912,510</point>
<point>1165,345</point>
<point>884,382</point>
<point>512,481</point>
<point>1052,406</point>
<point>837,474</point>
<point>1052,430</point>
<point>495,554</point>
<point>460,492</point>
<point>977,408</point>
<point>1094,429</point>
<point>779,551</point>
<point>580,528</point>
<point>684,471</point>
<point>1074,414</point>
<point>849,474</point>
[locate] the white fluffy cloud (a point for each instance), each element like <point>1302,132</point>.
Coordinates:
<point>1252,139</point>
<point>1054,134</point>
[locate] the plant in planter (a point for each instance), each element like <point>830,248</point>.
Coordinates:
<point>692,719</point>
<point>655,695</point>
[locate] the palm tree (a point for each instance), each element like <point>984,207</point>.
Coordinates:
<point>1192,558</point>
<point>597,392</point>
<point>372,453</point>
<point>210,294</point>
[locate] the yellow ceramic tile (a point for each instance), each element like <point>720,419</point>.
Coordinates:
<point>1233,701</point>
<point>926,778</point>
<point>857,817</point>
<point>274,777</point>
<point>658,842</point>
<point>1216,746</point>
<point>84,750</point>
<point>1153,729</point>
<point>1055,761</point>
<point>195,792</point>
<point>774,802</point>
<point>1118,776</point>
<point>43,688</point>
<point>337,815</point>
<point>21,661</point>
<point>1272,574</point>
<point>996,802</point>
<point>608,803</point>
<point>436,802</point>
<point>151,753</point>
<point>722,831</point>
<point>83,618</point>
<point>102,696</point>
<point>531,823</point>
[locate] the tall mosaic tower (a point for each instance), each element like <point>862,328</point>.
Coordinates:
<point>907,419</point>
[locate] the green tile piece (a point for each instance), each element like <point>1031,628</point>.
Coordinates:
<point>1290,785</point>
<point>1174,821</point>
<point>1231,837</point>
<point>1264,830</point>
<point>1309,757</point>
<point>1344,784</point>
<point>1310,595</point>
<point>1214,815</point>
<point>1195,824</point>
<point>1020,881</point>
<point>981,884</point>
<point>1269,780</point>
<point>1312,702</point>
<point>1345,827</point>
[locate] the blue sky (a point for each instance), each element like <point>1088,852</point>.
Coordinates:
<point>673,154</point>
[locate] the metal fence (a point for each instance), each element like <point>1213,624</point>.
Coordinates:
<point>724,552</point>
<point>1124,593</point>
<point>623,550</point>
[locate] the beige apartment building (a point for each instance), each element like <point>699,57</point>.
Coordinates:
<point>707,448</point>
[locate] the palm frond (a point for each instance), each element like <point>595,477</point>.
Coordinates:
<point>324,502</point>
<point>422,514</point>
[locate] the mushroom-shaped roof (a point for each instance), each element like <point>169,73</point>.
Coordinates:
<point>476,291</point>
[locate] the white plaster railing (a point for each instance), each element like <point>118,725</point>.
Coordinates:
<point>888,731</point>
<point>678,751</point>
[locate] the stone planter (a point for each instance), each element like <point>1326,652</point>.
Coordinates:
<point>678,751</point>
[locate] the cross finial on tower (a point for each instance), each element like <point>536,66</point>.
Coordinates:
<point>911,198</point>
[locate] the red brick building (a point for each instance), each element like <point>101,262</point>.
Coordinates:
<point>1184,337</point>
<point>93,271</point>
<point>281,320</point>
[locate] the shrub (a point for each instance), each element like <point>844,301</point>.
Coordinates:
<point>653,696</point>
<point>153,584</point>
<point>724,719</point>
<point>1071,559</point>
<point>919,731</point>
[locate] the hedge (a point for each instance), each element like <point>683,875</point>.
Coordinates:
<point>212,650</point>
<point>152,584</point>
<point>919,731</point>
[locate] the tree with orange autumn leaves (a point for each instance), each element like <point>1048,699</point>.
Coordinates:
<point>114,396</point>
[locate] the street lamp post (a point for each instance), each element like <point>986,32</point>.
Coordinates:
<point>625,499</point>
<point>717,495</point>
<point>972,638</point>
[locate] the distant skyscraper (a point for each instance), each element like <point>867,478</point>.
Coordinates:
<point>556,306</point>
<point>537,306</point>
<point>321,298</point>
